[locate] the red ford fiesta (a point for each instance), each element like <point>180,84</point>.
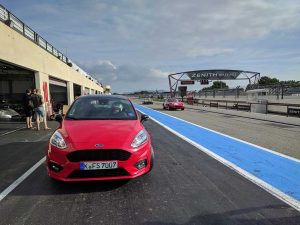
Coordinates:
<point>100,138</point>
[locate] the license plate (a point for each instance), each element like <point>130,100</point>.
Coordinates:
<point>98,165</point>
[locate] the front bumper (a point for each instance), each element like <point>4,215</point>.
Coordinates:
<point>70,171</point>
<point>176,107</point>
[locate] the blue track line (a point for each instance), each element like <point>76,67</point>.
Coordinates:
<point>280,172</point>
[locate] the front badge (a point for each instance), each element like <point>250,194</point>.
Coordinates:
<point>99,145</point>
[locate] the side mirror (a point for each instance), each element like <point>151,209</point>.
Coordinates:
<point>59,118</point>
<point>144,118</point>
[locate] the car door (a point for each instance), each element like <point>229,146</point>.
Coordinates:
<point>168,103</point>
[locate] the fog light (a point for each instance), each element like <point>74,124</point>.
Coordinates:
<point>141,164</point>
<point>54,167</point>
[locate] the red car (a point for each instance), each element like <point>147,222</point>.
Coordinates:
<point>100,138</point>
<point>173,103</point>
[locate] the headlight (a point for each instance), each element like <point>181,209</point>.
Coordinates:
<point>139,139</point>
<point>57,140</point>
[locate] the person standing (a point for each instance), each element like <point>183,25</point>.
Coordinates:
<point>28,108</point>
<point>38,102</point>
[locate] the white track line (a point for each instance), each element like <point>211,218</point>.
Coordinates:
<point>274,191</point>
<point>11,187</point>
<point>233,138</point>
<point>9,132</point>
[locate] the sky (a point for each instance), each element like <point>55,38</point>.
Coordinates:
<point>134,44</point>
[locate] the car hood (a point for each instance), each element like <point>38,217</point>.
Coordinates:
<point>86,134</point>
<point>176,103</point>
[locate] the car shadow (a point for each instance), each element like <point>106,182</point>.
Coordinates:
<point>39,183</point>
<point>59,187</point>
<point>160,109</point>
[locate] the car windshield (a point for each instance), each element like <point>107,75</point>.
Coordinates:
<point>173,100</point>
<point>101,108</point>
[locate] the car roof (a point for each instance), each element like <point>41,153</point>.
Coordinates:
<point>113,97</point>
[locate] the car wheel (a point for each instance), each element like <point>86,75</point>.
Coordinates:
<point>151,161</point>
<point>182,109</point>
<point>55,181</point>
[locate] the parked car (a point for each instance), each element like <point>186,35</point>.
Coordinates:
<point>16,108</point>
<point>173,103</point>
<point>9,114</point>
<point>147,101</point>
<point>100,138</point>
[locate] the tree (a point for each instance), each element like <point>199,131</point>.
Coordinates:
<point>267,81</point>
<point>291,82</point>
<point>217,85</point>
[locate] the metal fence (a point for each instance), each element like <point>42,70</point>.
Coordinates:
<point>279,91</point>
<point>288,109</point>
<point>237,92</point>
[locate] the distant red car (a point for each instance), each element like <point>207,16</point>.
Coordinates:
<point>100,138</point>
<point>173,103</point>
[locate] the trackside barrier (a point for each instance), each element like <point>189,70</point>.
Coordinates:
<point>290,108</point>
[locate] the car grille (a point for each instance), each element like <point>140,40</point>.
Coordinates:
<point>98,155</point>
<point>98,173</point>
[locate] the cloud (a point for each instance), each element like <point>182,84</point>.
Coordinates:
<point>162,29</point>
<point>142,39</point>
<point>127,77</point>
<point>209,52</point>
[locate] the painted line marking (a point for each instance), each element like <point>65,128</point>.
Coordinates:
<point>206,109</point>
<point>272,190</point>
<point>233,138</point>
<point>9,132</point>
<point>11,187</point>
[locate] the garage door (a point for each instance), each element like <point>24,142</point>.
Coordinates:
<point>58,91</point>
<point>14,81</point>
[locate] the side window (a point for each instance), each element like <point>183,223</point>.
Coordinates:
<point>129,109</point>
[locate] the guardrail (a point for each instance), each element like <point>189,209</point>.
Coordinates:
<point>291,109</point>
<point>279,91</point>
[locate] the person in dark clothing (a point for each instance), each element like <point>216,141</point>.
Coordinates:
<point>28,108</point>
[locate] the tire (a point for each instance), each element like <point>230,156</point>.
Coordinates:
<point>151,160</point>
<point>182,109</point>
<point>55,181</point>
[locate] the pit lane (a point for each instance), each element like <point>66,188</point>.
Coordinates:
<point>186,186</point>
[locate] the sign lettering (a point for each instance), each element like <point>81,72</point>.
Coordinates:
<point>187,82</point>
<point>294,112</point>
<point>214,75</point>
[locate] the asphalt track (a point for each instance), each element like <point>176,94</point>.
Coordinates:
<point>282,138</point>
<point>186,186</point>
<point>275,172</point>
